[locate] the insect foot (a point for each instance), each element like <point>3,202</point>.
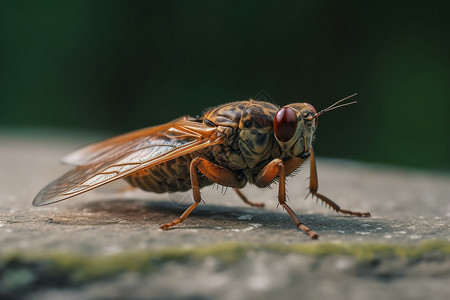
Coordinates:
<point>167,226</point>
<point>338,209</point>
<point>355,213</point>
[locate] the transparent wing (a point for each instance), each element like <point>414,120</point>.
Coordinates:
<point>120,145</point>
<point>118,157</point>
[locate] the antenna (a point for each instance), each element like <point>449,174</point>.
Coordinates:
<point>335,105</point>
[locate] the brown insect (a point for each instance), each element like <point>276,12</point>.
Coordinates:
<point>232,145</point>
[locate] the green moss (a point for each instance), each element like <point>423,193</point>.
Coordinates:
<point>77,268</point>
<point>369,250</point>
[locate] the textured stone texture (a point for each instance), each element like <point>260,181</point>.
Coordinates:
<point>408,208</point>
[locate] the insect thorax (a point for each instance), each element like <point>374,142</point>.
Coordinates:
<point>250,143</point>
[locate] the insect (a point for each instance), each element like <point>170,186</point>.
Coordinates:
<point>232,144</point>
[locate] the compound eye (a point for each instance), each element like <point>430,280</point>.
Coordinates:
<point>285,124</point>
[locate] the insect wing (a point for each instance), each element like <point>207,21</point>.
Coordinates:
<point>118,157</point>
<point>117,146</point>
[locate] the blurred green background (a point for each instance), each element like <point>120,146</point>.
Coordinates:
<point>120,65</point>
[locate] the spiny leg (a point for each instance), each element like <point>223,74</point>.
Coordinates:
<point>269,173</point>
<point>245,199</point>
<point>214,172</point>
<point>314,186</point>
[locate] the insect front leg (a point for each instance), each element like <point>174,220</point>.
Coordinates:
<point>279,168</point>
<point>314,186</point>
<point>225,177</point>
<point>214,172</point>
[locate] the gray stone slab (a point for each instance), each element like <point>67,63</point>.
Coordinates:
<point>408,207</point>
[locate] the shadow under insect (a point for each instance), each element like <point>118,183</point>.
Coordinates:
<point>210,216</point>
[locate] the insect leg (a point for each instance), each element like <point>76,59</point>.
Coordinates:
<point>214,172</point>
<point>290,166</point>
<point>269,173</point>
<point>245,199</point>
<point>314,186</point>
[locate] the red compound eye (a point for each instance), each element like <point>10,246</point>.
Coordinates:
<point>285,124</point>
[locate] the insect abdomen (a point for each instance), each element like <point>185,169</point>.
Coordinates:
<point>170,176</point>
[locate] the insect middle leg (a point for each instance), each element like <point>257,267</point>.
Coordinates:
<point>214,172</point>
<point>314,186</point>
<point>279,168</point>
<point>245,199</point>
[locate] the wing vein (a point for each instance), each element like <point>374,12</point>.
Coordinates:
<point>118,157</point>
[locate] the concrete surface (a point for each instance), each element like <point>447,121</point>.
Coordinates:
<point>107,243</point>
